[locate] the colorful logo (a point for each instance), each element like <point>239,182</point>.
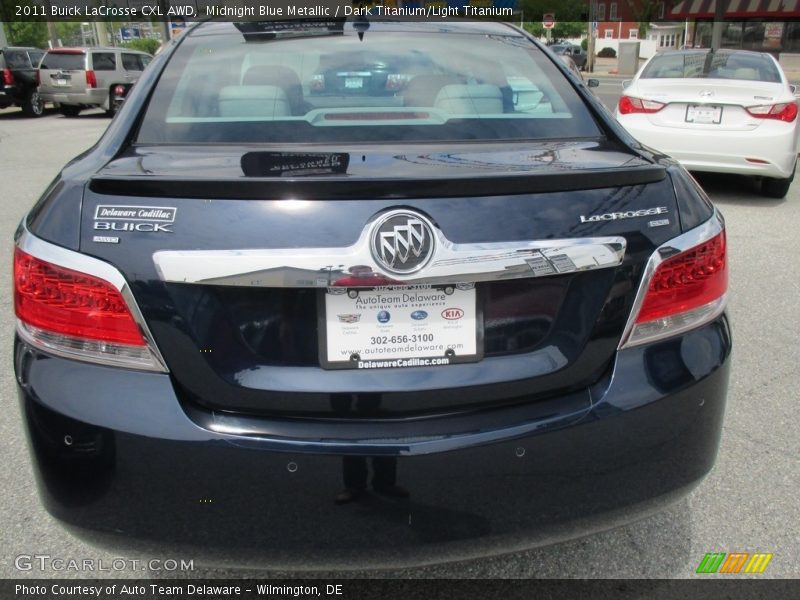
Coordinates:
<point>419,315</point>
<point>734,562</point>
<point>384,316</point>
<point>452,314</point>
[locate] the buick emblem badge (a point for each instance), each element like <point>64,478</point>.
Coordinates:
<point>402,242</point>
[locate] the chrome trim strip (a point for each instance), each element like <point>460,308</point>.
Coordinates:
<point>452,263</point>
<point>69,259</point>
<point>683,242</point>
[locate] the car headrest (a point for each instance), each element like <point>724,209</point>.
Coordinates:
<point>268,101</point>
<point>423,89</point>
<point>745,73</point>
<point>468,99</point>
<point>280,76</point>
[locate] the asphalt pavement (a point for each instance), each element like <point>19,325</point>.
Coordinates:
<point>748,503</point>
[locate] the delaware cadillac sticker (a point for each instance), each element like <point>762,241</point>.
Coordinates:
<point>144,219</point>
<point>163,214</point>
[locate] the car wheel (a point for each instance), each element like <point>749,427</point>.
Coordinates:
<point>776,188</point>
<point>33,105</point>
<point>69,110</point>
<point>113,107</point>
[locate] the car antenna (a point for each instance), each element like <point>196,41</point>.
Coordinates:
<point>707,61</point>
<point>361,24</point>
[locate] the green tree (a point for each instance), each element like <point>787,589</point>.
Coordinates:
<point>26,33</point>
<point>564,10</point>
<point>562,29</point>
<point>143,44</point>
<point>69,33</point>
<point>30,33</point>
<point>571,17</point>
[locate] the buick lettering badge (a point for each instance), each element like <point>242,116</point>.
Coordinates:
<point>402,242</point>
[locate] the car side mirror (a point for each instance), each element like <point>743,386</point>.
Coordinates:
<point>793,89</point>
<point>626,83</point>
<point>593,82</point>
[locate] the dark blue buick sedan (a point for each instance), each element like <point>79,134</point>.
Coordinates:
<point>367,294</point>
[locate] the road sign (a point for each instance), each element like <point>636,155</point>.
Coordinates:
<point>548,20</point>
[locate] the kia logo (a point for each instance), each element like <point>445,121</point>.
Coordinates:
<point>452,314</point>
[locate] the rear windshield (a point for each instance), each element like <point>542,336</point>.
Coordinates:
<point>17,59</point>
<point>720,65</point>
<point>334,85</point>
<point>63,61</point>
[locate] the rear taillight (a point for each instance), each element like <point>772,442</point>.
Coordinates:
<point>687,281</point>
<point>397,81</point>
<point>8,77</point>
<point>629,105</point>
<point>78,315</point>
<point>38,77</point>
<point>91,79</point>
<point>786,111</point>
<point>682,288</point>
<point>71,303</point>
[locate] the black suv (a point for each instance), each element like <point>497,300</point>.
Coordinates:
<point>19,81</point>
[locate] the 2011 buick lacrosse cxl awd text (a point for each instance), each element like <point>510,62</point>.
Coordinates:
<point>364,294</point>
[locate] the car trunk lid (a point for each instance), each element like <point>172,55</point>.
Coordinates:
<point>251,343</point>
<point>706,104</point>
<point>63,71</point>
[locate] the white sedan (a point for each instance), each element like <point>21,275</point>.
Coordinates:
<point>729,111</point>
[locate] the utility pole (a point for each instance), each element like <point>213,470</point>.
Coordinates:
<point>102,33</point>
<point>590,44</point>
<point>166,32</point>
<point>719,22</point>
<point>52,35</point>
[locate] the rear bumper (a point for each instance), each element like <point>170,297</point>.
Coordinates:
<point>9,96</point>
<point>723,151</point>
<point>138,471</point>
<point>89,97</point>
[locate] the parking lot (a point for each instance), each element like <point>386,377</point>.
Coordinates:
<point>748,503</point>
